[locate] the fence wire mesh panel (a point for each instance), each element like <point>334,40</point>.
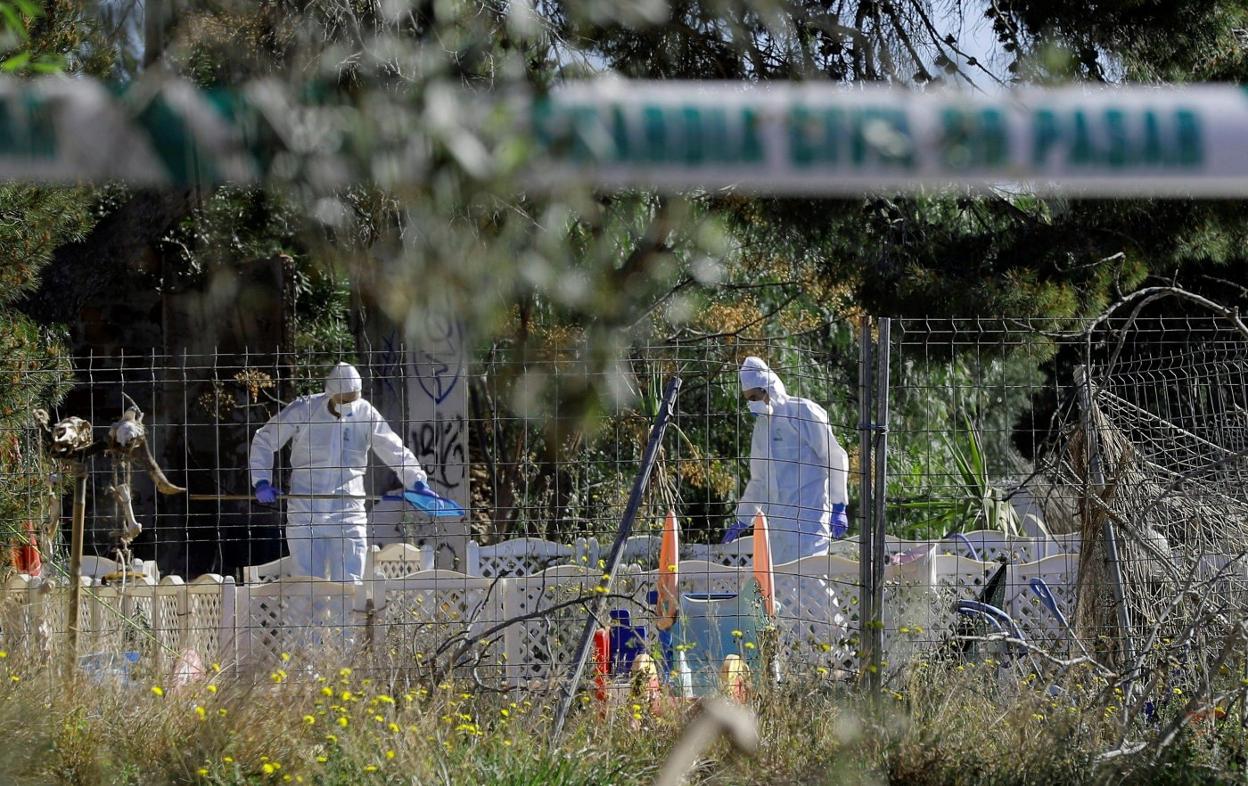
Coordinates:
<point>185,571</point>
<point>1079,488</point>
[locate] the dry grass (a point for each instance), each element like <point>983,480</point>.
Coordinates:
<point>948,724</point>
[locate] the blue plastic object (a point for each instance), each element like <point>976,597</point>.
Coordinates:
<point>992,612</point>
<point>110,667</point>
<point>627,641</point>
<point>1045,595</point>
<point>967,542</point>
<point>712,626</point>
<point>431,503</point>
<point>735,531</point>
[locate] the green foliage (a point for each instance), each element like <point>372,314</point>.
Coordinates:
<point>34,364</point>
<point>975,503</point>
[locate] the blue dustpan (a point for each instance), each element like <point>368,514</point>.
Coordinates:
<point>428,502</point>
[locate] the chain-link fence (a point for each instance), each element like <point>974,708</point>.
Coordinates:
<point>1036,494</point>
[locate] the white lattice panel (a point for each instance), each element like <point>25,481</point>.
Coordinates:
<point>910,612</point>
<point>208,617</point>
<point>400,559</point>
<point>640,550</point>
<point>994,546</point>
<point>956,578</point>
<point>312,619</point>
<point>540,649</point>
<point>19,614</point>
<point>120,619</point>
<point>1038,624</point>
<point>519,557</point>
<point>817,609</point>
<point>428,614</point>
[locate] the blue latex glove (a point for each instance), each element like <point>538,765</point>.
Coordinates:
<point>421,487</point>
<point>840,522</point>
<point>267,493</point>
<point>735,531</point>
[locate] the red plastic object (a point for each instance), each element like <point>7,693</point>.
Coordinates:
<point>602,663</point>
<point>26,553</point>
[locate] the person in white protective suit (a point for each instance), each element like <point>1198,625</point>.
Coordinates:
<point>798,471</point>
<point>330,435</point>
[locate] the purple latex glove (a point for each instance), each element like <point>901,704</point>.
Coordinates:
<point>840,521</point>
<point>735,531</point>
<point>267,493</point>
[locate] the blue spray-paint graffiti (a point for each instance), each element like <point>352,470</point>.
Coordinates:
<point>440,360</point>
<point>389,367</point>
<point>441,449</point>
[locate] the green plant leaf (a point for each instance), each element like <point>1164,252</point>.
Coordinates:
<point>15,63</point>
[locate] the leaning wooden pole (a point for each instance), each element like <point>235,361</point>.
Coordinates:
<point>75,562</point>
<point>594,604</point>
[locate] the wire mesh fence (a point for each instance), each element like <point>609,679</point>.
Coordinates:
<point>1051,492</point>
<point>541,450</point>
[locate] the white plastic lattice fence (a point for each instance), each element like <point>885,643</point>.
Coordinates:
<point>526,556</point>
<point>431,614</point>
<point>1039,624</point>
<point>312,620</point>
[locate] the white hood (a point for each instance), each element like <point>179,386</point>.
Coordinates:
<point>756,374</point>
<point>343,379</point>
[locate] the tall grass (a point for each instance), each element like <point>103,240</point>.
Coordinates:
<point>326,725</point>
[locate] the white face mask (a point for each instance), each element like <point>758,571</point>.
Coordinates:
<point>759,407</point>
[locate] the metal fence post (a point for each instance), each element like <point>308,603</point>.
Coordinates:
<point>866,532</point>
<point>880,478</point>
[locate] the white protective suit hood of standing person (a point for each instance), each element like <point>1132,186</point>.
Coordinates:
<point>343,378</point>
<point>798,471</point>
<point>328,456</point>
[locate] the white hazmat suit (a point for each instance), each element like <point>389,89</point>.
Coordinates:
<point>329,455</point>
<point>798,471</point>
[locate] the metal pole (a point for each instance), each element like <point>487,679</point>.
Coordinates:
<point>594,604</point>
<point>866,533</point>
<point>1096,473</point>
<point>881,493</point>
<point>78,524</point>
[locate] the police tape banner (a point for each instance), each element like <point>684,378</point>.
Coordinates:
<point>822,139</point>
<point>156,132</point>
<point>782,139</point>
